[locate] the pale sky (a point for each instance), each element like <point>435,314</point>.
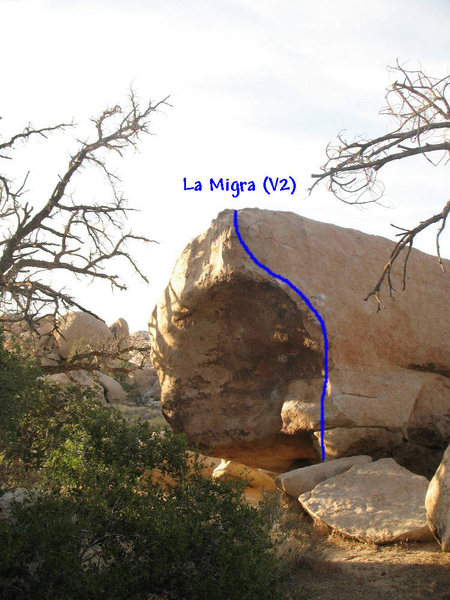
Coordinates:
<point>257,88</point>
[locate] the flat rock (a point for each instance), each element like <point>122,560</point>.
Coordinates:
<point>380,502</point>
<point>303,480</point>
<point>437,503</point>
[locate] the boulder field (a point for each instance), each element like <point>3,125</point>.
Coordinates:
<point>240,356</point>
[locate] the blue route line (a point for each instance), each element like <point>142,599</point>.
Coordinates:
<point>318,317</point>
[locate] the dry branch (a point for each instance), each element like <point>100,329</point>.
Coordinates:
<point>83,238</point>
<point>420,105</point>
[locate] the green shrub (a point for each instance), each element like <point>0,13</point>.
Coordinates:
<point>120,513</point>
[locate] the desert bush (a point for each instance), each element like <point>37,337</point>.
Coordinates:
<point>99,527</point>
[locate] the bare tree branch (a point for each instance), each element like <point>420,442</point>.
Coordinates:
<point>421,107</point>
<point>65,234</point>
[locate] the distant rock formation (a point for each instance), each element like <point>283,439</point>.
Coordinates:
<point>240,356</point>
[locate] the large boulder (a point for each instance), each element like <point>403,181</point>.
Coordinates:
<point>378,502</point>
<point>240,355</point>
<point>437,503</point>
<point>83,331</point>
<point>37,338</point>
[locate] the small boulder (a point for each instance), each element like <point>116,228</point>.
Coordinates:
<point>437,503</point>
<point>258,482</point>
<point>303,480</point>
<point>155,390</point>
<point>379,502</point>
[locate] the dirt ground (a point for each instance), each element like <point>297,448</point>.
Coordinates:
<point>340,569</point>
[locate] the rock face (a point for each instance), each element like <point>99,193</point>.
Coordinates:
<point>81,328</point>
<point>379,502</point>
<point>303,480</point>
<point>240,356</point>
<point>438,503</point>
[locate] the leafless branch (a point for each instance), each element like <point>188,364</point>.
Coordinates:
<point>421,107</point>
<point>405,242</point>
<point>62,233</point>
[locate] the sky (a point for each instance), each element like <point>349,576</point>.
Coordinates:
<point>256,88</point>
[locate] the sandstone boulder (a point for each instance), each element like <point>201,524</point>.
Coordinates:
<point>379,502</point>
<point>258,482</point>
<point>438,503</point>
<point>299,481</point>
<point>83,330</point>
<point>240,355</point>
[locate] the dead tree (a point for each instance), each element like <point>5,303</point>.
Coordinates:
<point>420,105</point>
<point>63,232</point>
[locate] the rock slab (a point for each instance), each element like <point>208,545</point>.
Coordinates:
<point>379,502</point>
<point>438,503</point>
<point>300,481</point>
